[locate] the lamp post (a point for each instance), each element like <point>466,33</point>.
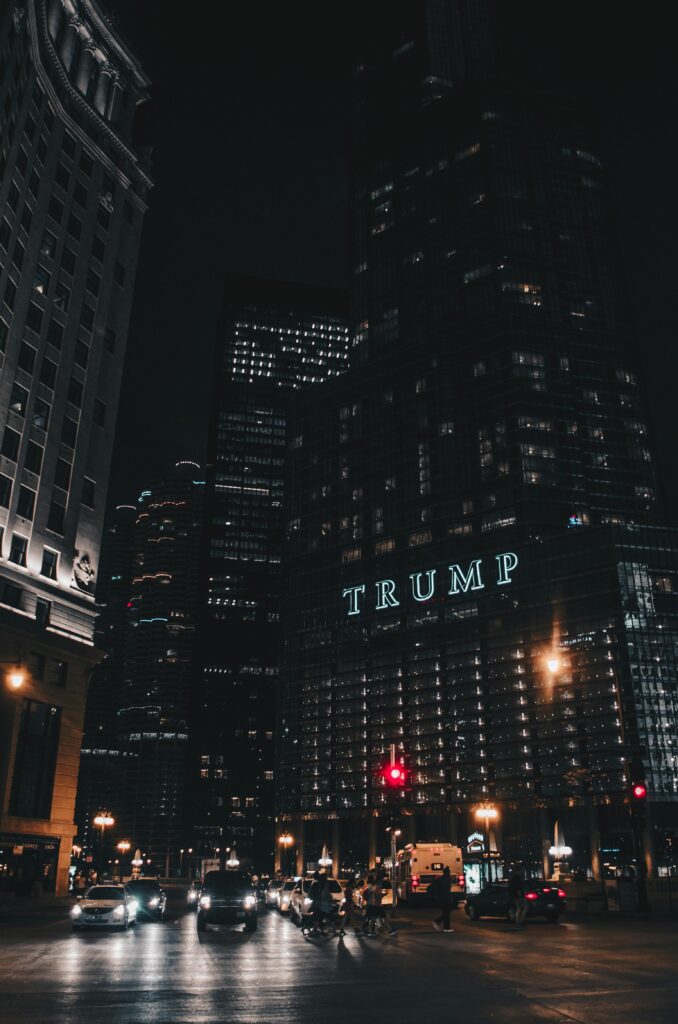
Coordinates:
<point>103,821</point>
<point>124,845</point>
<point>486,814</point>
<point>285,840</point>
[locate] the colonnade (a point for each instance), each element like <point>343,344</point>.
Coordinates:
<point>80,54</point>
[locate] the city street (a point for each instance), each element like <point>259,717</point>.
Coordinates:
<point>586,969</point>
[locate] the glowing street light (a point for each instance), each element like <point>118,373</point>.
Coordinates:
<point>285,840</point>
<point>487,813</point>
<point>16,678</point>
<point>553,664</point>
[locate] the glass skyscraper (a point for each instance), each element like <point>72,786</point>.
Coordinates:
<point>274,340</point>
<point>478,571</point>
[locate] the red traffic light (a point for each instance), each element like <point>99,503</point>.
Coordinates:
<point>394,775</point>
<point>639,790</point>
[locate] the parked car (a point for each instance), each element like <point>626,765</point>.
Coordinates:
<point>272,894</point>
<point>300,903</point>
<point>227,897</point>
<point>151,898</point>
<point>495,900</point>
<point>285,897</point>
<point>104,905</point>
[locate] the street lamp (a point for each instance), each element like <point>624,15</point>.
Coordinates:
<point>286,841</point>
<point>486,814</point>
<point>103,821</point>
<point>16,678</point>
<point>553,664</point>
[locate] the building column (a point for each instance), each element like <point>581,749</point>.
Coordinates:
<point>114,100</point>
<point>103,89</point>
<point>84,67</point>
<point>54,16</point>
<point>594,836</point>
<point>336,848</point>
<point>301,847</point>
<point>371,842</point>
<point>69,43</point>
<point>277,855</point>
<point>453,828</point>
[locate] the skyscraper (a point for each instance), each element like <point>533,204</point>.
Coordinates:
<point>478,574</point>
<point>274,340</point>
<point>73,196</point>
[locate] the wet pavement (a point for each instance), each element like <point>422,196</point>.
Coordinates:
<point>588,970</point>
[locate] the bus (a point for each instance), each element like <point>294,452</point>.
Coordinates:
<point>419,864</point>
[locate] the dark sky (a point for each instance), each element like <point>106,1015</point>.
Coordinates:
<point>246,120</point>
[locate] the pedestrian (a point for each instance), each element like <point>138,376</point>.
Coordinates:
<point>442,893</point>
<point>372,905</point>
<point>348,907</point>
<point>516,888</point>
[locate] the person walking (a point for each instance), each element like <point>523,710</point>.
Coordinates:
<point>347,907</point>
<point>372,904</point>
<point>516,888</point>
<point>442,893</point>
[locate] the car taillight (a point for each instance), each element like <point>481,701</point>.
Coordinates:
<point>415,881</point>
<point>530,895</point>
<point>461,881</point>
<point>562,894</point>
<point>547,890</point>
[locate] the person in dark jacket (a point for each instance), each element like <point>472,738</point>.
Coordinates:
<point>516,888</point>
<point>442,893</point>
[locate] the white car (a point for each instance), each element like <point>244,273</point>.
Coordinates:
<point>300,904</point>
<point>285,896</point>
<point>104,905</point>
<point>272,894</point>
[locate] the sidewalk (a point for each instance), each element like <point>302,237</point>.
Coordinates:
<point>12,906</point>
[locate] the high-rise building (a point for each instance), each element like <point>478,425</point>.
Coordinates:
<point>100,754</point>
<point>72,200</point>
<point>153,667</point>
<point>274,340</point>
<point>478,573</point>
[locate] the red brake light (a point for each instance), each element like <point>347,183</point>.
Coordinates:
<point>461,881</point>
<point>530,895</point>
<point>547,890</point>
<point>562,894</point>
<point>415,881</point>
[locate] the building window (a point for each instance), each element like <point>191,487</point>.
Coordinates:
<point>62,474</point>
<point>26,360</point>
<point>50,560</point>
<point>55,333</point>
<point>35,760</point>
<point>48,373</point>
<point>19,399</point>
<point>268,776</point>
<point>36,665</point>
<point>88,487</point>
<point>57,672</point>
<point>75,391</point>
<point>43,611</point>
<point>99,413</point>
<point>5,490</point>
<point>18,549</point>
<point>55,517</point>
<point>26,503</point>
<point>41,412</point>
<point>10,443</point>
<point>69,432</point>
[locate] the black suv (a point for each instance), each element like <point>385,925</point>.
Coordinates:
<point>227,897</point>
<point>151,899</point>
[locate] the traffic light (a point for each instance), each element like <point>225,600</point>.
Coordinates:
<point>638,790</point>
<point>394,775</point>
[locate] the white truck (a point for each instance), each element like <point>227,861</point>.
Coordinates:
<point>419,864</point>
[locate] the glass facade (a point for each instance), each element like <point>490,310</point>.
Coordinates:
<point>475,498</point>
<point>275,339</point>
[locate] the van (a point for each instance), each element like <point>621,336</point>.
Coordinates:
<point>419,864</point>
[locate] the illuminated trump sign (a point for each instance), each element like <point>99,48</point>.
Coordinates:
<point>456,579</point>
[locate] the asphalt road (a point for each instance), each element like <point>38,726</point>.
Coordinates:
<point>586,969</point>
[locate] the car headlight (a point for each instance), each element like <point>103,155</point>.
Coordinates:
<point>192,897</point>
<point>119,911</point>
<point>205,902</point>
<point>250,902</point>
<point>154,901</point>
<point>133,904</point>
<point>76,911</point>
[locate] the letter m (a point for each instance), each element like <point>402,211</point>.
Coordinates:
<point>461,581</point>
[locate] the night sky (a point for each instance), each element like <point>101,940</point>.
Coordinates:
<point>247,123</point>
